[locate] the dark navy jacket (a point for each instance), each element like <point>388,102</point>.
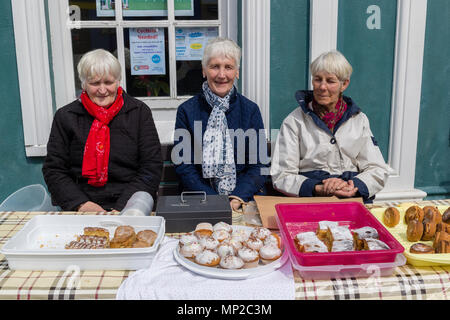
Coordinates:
<point>191,121</point>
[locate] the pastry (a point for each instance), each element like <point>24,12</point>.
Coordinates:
<point>309,242</point>
<point>225,248</point>
<point>413,213</point>
<point>146,236</point>
<point>124,237</point>
<point>439,236</point>
<point>443,246</point>
<point>241,234</point>
<point>223,226</point>
<point>190,250</point>
<point>88,242</point>
<point>204,229</point>
<point>429,229</point>
<point>221,235</point>
<point>273,239</point>
<point>269,253</point>
<point>207,258</point>
<point>375,244</point>
<point>391,217</point>
<point>236,243</point>
<point>363,233</point>
<point>231,262</point>
<point>446,216</point>
<point>95,231</point>
<point>209,243</point>
<point>249,256</point>
<point>187,238</point>
<point>322,228</point>
<point>443,227</point>
<point>338,233</point>
<point>414,230</point>
<point>421,248</point>
<point>254,243</point>
<point>432,214</point>
<point>260,233</point>
<point>342,245</point>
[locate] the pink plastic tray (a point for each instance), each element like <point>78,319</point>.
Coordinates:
<point>302,217</point>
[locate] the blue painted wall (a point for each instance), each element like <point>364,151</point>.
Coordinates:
<point>16,170</point>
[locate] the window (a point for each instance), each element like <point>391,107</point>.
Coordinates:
<point>127,28</point>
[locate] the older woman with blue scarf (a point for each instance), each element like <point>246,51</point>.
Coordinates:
<point>218,132</point>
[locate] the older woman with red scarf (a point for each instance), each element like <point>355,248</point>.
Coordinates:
<point>325,146</point>
<point>103,147</point>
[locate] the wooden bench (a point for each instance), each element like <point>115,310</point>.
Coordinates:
<point>170,186</point>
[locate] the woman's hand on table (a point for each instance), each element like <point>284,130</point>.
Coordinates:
<point>90,206</point>
<point>336,187</point>
<point>235,204</point>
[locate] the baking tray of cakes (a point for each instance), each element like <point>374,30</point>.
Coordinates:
<point>424,231</point>
<point>230,252</point>
<point>337,239</point>
<point>102,242</point>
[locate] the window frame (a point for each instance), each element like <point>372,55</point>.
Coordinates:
<point>34,68</point>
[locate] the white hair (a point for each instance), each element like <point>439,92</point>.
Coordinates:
<point>98,63</point>
<point>332,62</point>
<point>221,47</point>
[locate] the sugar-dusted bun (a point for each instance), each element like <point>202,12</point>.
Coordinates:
<point>187,238</point>
<point>209,243</point>
<point>414,213</point>
<point>254,243</point>
<point>241,234</point>
<point>190,250</point>
<point>204,229</point>
<point>221,235</point>
<point>421,248</point>
<point>236,243</point>
<point>225,249</point>
<point>274,239</point>
<point>207,258</point>
<point>249,256</point>
<point>223,226</point>
<point>391,217</point>
<point>269,253</point>
<point>231,262</point>
<point>260,233</point>
<point>414,230</point>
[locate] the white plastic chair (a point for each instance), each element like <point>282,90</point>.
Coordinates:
<point>30,198</point>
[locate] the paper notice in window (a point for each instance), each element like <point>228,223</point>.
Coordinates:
<point>190,42</point>
<point>147,51</point>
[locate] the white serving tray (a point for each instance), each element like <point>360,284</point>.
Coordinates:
<point>239,274</point>
<point>39,245</point>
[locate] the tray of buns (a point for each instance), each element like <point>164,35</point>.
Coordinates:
<point>424,231</point>
<point>230,252</point>
<point>100,242</point>
<point>335,234</point>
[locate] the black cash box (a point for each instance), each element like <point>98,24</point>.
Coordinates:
<point>183,213</point>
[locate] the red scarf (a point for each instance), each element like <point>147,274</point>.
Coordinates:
<point>330,117</point>
<point>96,150</point>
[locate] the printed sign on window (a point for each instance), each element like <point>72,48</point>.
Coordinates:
<point>147,51</point>
<point>190,42</point>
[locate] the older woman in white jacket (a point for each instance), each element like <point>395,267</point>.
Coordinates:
<point>325,146</point>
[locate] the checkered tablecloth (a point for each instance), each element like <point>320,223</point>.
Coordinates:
<point>407,282</point>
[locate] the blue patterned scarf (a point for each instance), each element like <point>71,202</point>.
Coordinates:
<point>218,155</point>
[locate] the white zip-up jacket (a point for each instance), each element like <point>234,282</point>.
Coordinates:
<point>307,152</point>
